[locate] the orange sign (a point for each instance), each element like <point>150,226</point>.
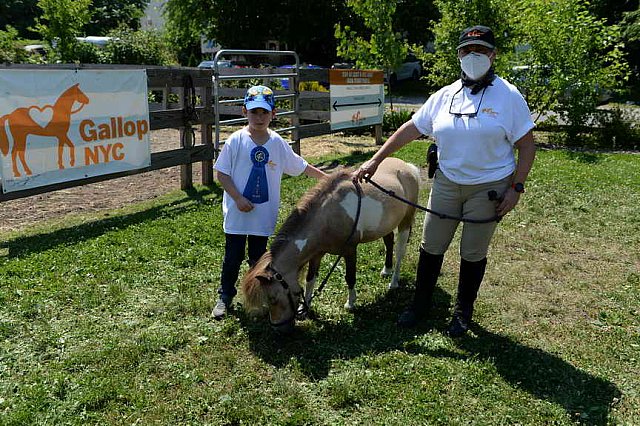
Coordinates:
<point>349,77</point>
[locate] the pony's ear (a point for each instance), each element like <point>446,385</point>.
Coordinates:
<point>264,277</point>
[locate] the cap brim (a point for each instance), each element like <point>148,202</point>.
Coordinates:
<point>478,42</point>
<point>258,104</point>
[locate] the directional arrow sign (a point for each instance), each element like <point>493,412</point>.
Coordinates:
<point>357,98</point>
<point>336,105</point>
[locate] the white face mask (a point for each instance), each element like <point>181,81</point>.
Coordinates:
<point>475,65</point>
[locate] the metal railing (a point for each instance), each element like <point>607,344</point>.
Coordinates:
<point>293,77</point>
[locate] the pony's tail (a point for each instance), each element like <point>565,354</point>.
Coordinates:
<point>4,139</point>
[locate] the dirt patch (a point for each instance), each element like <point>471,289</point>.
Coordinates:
<point>22,213</point>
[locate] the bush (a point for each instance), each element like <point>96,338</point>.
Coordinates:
<point>393,119</point>
<point>87,53</point>
<point>610,129</point>
<point>138,47</point>
<point>617,129</point>
<point>10,49</point>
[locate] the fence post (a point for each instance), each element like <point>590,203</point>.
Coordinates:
<point>378,130</point>
<point>206,132</point>
<point>186,142</point>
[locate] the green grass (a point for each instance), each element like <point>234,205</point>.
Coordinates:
<point>106,320</point>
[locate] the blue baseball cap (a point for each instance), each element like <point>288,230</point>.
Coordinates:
<point>260,97</point>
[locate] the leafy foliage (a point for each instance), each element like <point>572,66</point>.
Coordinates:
<point>571,57</point>
<point>146,47</point>
<point>395,118</point>
<point>10,49</point>
<point>61,22</point>
<point>108,15</point>
<point>455,15</point>
<point>380,46</point>
<point>20,14</point>
<point>580,55</point>
<point>251,24</point>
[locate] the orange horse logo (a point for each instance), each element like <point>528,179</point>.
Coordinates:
<point>50,120</point>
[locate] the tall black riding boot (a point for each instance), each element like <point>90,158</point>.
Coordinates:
<point>429,266</point>
<point>471,274</point>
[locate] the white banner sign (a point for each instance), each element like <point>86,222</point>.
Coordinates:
<point>62,125</point>
<point>357,98</point>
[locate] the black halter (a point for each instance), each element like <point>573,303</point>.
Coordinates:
<point>277,276</point>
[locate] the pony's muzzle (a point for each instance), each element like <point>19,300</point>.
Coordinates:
<point>285,327</point>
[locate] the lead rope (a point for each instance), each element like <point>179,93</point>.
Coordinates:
<point>493,196</point>
<point>189,112</point>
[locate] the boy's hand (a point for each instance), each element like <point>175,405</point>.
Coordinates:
<point>243,204</point>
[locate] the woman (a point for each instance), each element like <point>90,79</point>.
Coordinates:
<point>476,123</point>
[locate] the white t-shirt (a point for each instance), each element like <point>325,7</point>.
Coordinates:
<point>479,149</point>
<point>234,160</point>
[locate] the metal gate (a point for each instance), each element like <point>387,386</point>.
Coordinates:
<point>289,93</point>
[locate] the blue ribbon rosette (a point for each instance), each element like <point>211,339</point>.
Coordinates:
<point>257,188</point>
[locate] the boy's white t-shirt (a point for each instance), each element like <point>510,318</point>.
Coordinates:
<point>234,160</point>
<point>475,150</point>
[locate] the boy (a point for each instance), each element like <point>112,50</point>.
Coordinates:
<point>249,168</point>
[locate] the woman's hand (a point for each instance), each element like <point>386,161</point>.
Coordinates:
<point>511,198</point>
<point>367,169</point>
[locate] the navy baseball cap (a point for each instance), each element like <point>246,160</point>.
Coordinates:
<point>478,34</point>
<point>259,97</point>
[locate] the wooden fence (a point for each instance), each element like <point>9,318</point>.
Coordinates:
<point>172,106</point>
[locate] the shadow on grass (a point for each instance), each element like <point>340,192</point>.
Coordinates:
<point>40,242</point>
<point>316,345</point>
<point>586,398</point>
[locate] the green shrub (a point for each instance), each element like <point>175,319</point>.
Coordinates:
<point>610,129</point>
<point>394,119</point>
<point>87,53</point>
<point>138,47</point>
<point>10,49</point>
<point>617,129</point>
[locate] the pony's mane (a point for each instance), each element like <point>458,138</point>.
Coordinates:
<point>252,287</point>
<point>310,200</point>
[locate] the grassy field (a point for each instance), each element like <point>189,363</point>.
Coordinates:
<point>105,320</point>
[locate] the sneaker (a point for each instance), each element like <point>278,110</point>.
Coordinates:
<point>458,326</point>
<point>220,310</point>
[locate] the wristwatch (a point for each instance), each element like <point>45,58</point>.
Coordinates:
<point>518,187</point>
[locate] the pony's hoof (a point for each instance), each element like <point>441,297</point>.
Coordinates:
<point>386,272</point>
<point>393,285</point>
<point>349,306</point>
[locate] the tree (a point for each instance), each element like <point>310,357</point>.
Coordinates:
<point>455,15</point>
<point>61,22</point>
<point>146,47</point>
<point>413,19</point>
<point>10,49</point>
<point>611,10</point>
<point>108,15</point>
<point>630,26</point>
<point>249,24</point>
<point>571,57</point>
<point>580,56</point>
<point>20,14</point>
<point>379,46</point>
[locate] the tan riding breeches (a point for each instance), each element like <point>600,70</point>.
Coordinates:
<point>466,201</point>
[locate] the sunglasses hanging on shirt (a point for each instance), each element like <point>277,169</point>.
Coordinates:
<point>467,114</point>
